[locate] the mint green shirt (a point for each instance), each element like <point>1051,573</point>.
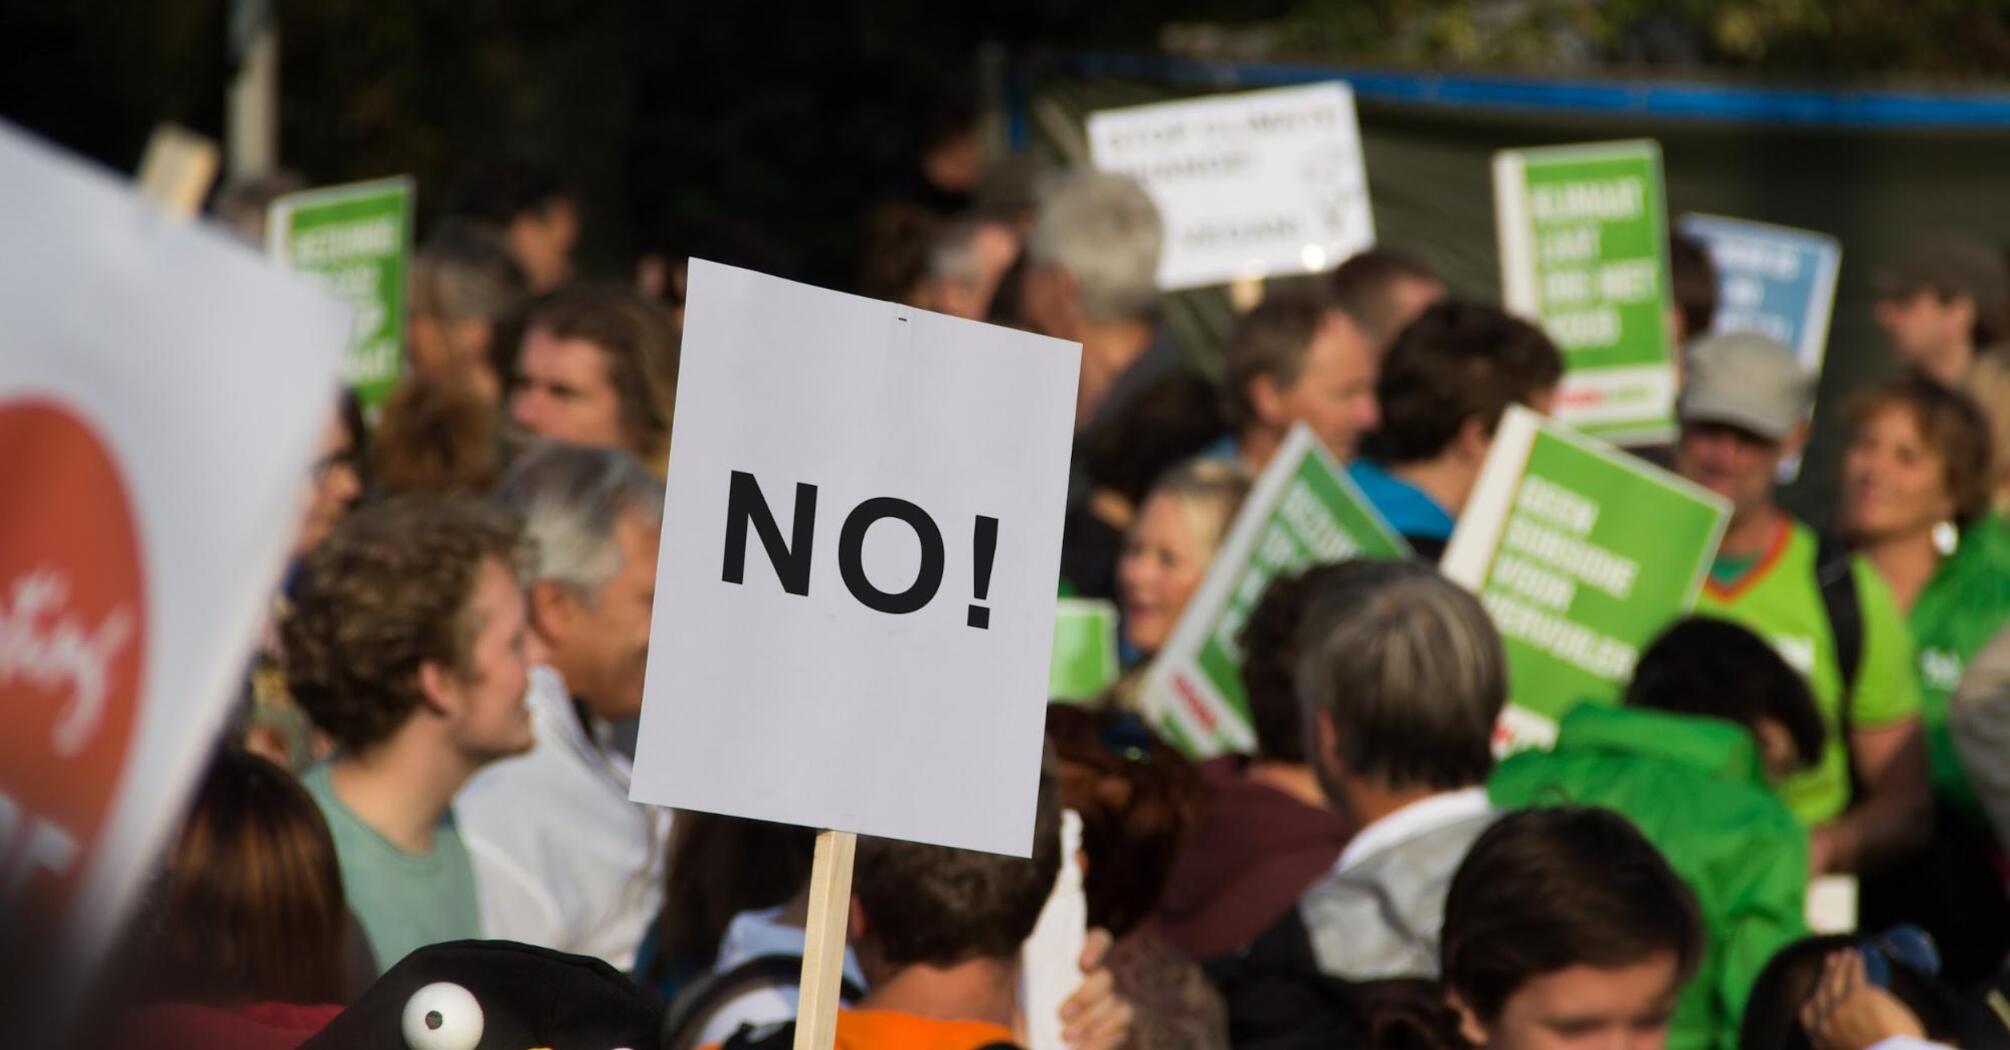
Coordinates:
<point>404,900</point>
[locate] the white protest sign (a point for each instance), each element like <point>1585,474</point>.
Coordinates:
<point>861,548</point>
<point>160,398</point>
<point>1249,185</point>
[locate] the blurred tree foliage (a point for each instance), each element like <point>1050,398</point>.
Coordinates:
<point>1913,40</point>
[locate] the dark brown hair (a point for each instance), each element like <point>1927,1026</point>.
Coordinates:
<point>1951,424</point>
<point>1546,889</point>
<point>388,590</point>
<point>1270,342</point>
<point>1138,799</point>
<point>251,908</point>
<point>436,436</point>
<point>1457,361</point>
<point>936,906</point>
<point>1269,644</point>
<point>640,341</point>
<point>1718,669</point>
<point>1692,283</point>
<point>719,867</point>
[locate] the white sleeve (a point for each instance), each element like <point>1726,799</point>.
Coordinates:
<point>1906,1042</point>
<point>514,903</point>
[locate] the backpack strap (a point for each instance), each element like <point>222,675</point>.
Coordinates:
<point>1837,581</point>
<point>685,1020</point>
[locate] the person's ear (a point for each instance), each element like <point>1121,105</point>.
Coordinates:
<point>1470,1027</point>
<point>1472,440</point>
<point>440,687</point>
<point>554,610</point>
<point>1796,440</point>
<point>1961,309</point>
<point>855,924</point>
<point>1329,740</point>
<point>652,276</point>
<point>1777,753</point>
<point>1266,401</point>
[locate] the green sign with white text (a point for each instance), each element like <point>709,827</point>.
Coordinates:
<point>1302,511</point>
<point>1581,554</point>
<point>1584,251</point>
<point>356,241</point>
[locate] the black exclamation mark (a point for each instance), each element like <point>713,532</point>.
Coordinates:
<point>984,546</point>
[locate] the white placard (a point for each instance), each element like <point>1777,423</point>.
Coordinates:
<point>827,649</point>
<point>1250,185</point>
<point>161,393</point>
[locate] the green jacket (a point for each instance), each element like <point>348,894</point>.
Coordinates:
<point>1694,787</point>
<point>1960,610</point>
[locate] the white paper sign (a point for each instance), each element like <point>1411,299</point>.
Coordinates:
<point>161,391</point>
<point>1249,185</point>
<point>861,543</point>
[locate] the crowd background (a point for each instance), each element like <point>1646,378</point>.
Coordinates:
<point>454,658</point>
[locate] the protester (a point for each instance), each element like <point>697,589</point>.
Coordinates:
<point>599,367</point>
<point>247,936</point>
<point>1916,480</point>
<point>1443,388</point>
<point>1743,408</point>
<point>1711,716</point>
<point>1091,277</point>
<point>466,295</point>
<point>337,479</point>
<point>1402,676</point>
<point>437,435</point>
<point>937,933</point>
<point>1267,832</point>
<point>531,210</point>
<point>965,265</point>
<point>736,893</point>
<point>1565,927</point>
<point>1384,290</point>
<point>1171,546</point>
<point>1815,995</point>
<point>899,240</point>
<point>1184,415</point>
<point>1138,800</point>
<point>409,646</point>
<point>1297,360</point>
<point>1942,304</point>
<point>562,857</point>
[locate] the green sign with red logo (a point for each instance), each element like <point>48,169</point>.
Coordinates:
<point>1302,511</point>
<point>1584,252</point>
<point>355,241</point>
<point>1582,554</point>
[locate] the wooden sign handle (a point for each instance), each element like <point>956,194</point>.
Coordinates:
<point>823,948</point>
<point>176,171</point>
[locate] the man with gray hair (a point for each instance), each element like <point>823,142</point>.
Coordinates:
<point>1092,278</point>
<point>1401,677</point>
<point>965,264</point>
<point>562,858</point>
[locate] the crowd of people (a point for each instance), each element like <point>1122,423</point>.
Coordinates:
<point>435,741</point>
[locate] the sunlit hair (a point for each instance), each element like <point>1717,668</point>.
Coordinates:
<point>1209,492</point>
<point>1950,424</point>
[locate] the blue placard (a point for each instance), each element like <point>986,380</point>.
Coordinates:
<point>1771,279</point>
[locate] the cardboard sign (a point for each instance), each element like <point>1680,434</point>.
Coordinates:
<point>160,399</point>
<point>356,240</point>
<point>1582,554</point>
<point>862,532</point>
<point>1249,185</point>
<point>1584,253</point>
<point>1303,510</point>
<point>1085,649</point>
<point>1774,280</point>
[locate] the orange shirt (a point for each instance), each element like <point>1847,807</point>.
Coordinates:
<point>892,1030</point>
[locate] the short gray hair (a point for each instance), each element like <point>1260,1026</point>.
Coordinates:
<point>1410,670</point>
<point>1102,228</point>
<point>570,497</point>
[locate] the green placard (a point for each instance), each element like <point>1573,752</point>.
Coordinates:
<point>1303,510</point>
<point>1584,250</point>
<point>1582,554</point>
<point>356,241</point>
<point>1085,650</point>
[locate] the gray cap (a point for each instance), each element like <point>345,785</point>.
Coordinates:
<point>1747,380</point>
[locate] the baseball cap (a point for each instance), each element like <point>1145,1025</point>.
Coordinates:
<point>1747,380</point>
